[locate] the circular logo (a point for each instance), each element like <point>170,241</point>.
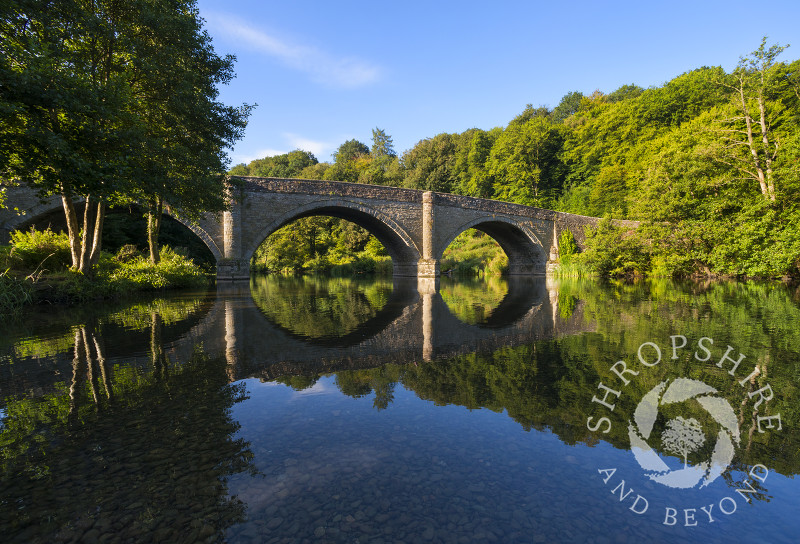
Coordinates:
<point>683,436</point>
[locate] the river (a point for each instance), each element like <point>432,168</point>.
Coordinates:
<point>370,410</point>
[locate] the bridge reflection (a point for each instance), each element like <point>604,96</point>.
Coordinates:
<point>415,324</point>
<point>412,323</point>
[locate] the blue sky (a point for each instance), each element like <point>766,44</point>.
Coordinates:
<point>324,72</point>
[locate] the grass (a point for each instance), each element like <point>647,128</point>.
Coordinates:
<point>15,293</point>
<point>572,268</point>
<point>474,253</point>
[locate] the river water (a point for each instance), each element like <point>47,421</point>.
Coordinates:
<point>340,410</point>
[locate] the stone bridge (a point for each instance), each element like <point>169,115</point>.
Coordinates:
<point>414,226</point>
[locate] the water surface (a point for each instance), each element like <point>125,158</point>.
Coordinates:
<point>340,410</point>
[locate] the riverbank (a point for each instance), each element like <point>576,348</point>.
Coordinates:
<point>34,269</point>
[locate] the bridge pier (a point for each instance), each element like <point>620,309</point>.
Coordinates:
<point>233,269</point>
<point>233,266</point>
<point>428,265</point>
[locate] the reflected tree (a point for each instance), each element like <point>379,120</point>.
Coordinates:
<point>124,450</point>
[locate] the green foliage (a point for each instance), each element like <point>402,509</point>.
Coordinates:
<point>36,249</point>
<point>322,245</point>
<point>288,165</point>
<point>349,151</point>
<point>114,102</point>
<point>567,246</point>
<point>569,105</point>
<point>626,92</point>
<point>430,164</point>
<point>614,251</point>
<point>473,152</point>
<point>172,271</point>
<point>319,307</point>
<point>127,253</point>
<point>473,300</point>
<point>381,144</point>
<point>38,271</point>
<point>524,163</point>
<point>50,346</point>
<point>474,253</point>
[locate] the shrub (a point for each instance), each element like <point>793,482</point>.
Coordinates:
<point>127,253</point>
<point>173,271</point>
<point>41,249</point>
<point>615,251</point>
<point>567,247</point>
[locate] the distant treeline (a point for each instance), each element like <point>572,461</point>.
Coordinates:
<point>709,161</point>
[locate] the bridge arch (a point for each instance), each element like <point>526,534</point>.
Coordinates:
<point>526,253</point>
<point>43,208</point>
<point>398,243</point>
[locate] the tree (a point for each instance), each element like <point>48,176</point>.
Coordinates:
<point>112,101</point>
<point>430,164</point>
<point>626,92</point>
<point>70,118</point>
<point>525,165</point>
<point>346,157</point>
<point>569,105</point>
<point>530,113</point>
<point>474,149</point>
<point>349,151</point>
<point>286,165</point>
<point>177,75</point>
<point>381,144</point>
<point>380,166</point>
<point>683,436</point>
<point>750,143</point>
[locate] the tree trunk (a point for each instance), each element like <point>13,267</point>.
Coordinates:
<point>97,239</point>
<point>72,227</point>
<point>748,119</point>
<point>153,228</point>
<point>90,377</point>
<point>768,153</point>
<point>74,387</point>
<point>83,266</point>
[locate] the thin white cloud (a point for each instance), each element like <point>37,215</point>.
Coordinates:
<point>322,67</point>
<point>293,141</point>
<point>316,147</point>
<point>237,158</point>
<point>319,388</point>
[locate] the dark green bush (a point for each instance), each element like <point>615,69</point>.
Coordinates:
<point>127,253</point>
